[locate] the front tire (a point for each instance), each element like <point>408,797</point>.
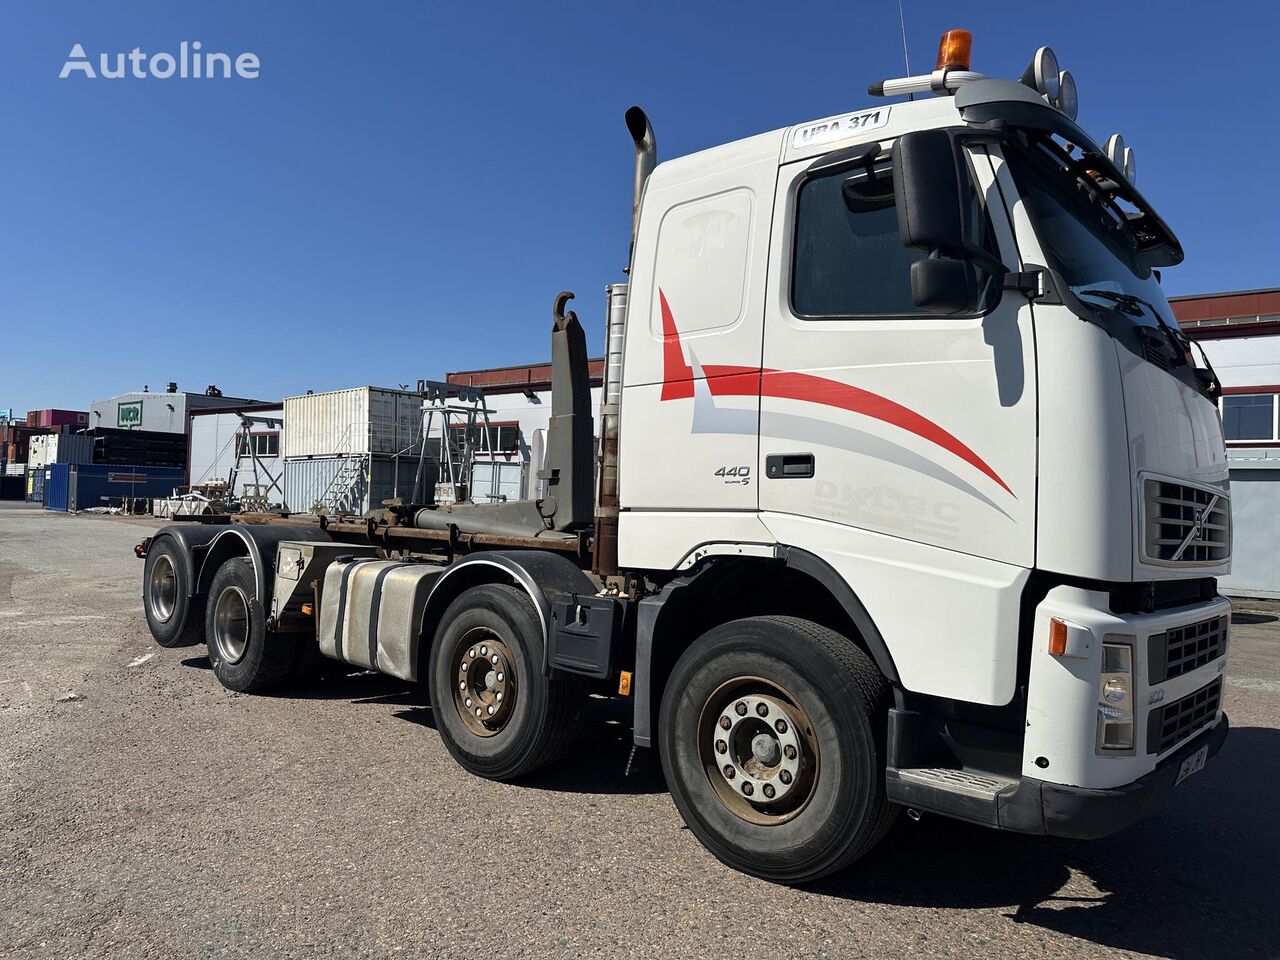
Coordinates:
<point>499,716</point>
<point>244,655</point>
<point>175,618</point>
<point>773,744</point>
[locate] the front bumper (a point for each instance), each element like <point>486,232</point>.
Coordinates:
<point>1084,813</point>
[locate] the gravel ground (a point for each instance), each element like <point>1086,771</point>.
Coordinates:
<point>147,812</point>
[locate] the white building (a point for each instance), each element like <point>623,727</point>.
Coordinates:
<point>519,403</point>
<point>223,445</point>
<point>1240,333</point>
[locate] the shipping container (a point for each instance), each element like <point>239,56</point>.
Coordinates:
<point>35,484</point>
<point>60,448</point>
<point>15,470</point>
<point>360,420</point>
<point>58,418</point>
<point>57,485</point>
<point>153,448</point>
<point>11,487</point>
<point>79,486</point>
<point>307,481</point>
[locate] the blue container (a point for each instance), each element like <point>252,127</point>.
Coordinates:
<point>108,485</point>
<point>57,486</point>
<point>35,484</point>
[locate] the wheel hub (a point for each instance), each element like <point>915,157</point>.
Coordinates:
<point>162,588</point>
<point>484,684</point>
<point>759,749</point>
<point>231,624</point>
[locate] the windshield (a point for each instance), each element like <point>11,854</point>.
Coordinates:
<point>1095,255</point>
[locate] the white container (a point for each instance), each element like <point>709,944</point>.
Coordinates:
<point>360,420</point>
<point>59,448</point>
<point>15,469</point>
<point>306,481</point>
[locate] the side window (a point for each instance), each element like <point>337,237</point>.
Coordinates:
<point>1249,416</point>
<point>849,260</point>
<point>703,250</point>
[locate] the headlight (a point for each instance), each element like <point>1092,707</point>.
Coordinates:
<point>1115,698</point>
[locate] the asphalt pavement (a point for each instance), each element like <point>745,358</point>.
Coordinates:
<point>147,812</point>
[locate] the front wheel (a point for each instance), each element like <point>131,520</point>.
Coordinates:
<point>773,745</point>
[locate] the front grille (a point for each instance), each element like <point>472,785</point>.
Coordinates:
<point>1169,725</point>
<point>1185,524</point>
<point>1183,649</point>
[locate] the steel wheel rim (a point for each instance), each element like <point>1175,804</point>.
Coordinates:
<point>484,681</point>
<point>744,752</point>
<point>231,624</point>
<point>162,588</point>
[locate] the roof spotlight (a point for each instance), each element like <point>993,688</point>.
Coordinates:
<point>1042,73</point>
<point>1066,100</point>
<point>1130,166</point>
<point>1114,150</point>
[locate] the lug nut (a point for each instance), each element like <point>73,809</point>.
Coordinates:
<point>729,772</point>
<point>769,791</point>
<point>464,666</point>
<point>499,694</point>
<point>462,684</point>
<point>491,711</point>
<point>748,789</point>
<point>721,747</point>
<point>501,676</point>
<point>471,652</point>
<point>789,751</point>
<point>762,709</point>
<point>740,708</point>
<point>725,723</point>
<point>468,701</point>
<point>785,776</point>
<point>781,726</point>
<point>478,711</point>
<point>483,651</point>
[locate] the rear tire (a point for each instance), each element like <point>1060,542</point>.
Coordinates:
<point>781,708</point>
<point>175,618</point>
<point>499,716</point>
<point>244,655</point>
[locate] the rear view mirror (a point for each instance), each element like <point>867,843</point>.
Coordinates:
<point>926,189</point>
<point>948,287</point>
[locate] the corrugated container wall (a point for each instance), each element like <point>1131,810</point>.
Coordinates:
<point>99,484</point>
<point>58,418</point>
<point>212,451</point>
<point>306,481</point>
<point>57,486</point>
<point>361,420</point>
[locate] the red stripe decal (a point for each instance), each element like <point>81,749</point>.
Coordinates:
<point>736,381</point>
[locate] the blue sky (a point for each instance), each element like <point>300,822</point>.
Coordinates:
<point>406,186</point>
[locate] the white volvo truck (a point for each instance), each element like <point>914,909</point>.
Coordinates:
<point>909,494</point>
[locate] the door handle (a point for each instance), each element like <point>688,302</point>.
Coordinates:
<point>788,466</point>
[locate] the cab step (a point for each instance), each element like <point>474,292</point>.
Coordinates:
<point>971,795</point>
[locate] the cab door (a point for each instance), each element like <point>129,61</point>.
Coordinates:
<point>874,414</point>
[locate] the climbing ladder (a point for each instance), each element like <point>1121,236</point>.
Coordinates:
<point>345,492</point>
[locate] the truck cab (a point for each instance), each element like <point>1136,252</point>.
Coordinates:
<point>910,495</point>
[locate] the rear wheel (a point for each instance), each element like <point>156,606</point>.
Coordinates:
<point>772,732</point>
<point>498,714</point>
<point>174,618</point>
<point>245,656</point>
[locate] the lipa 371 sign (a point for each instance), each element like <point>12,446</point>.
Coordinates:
<point>129,414</point>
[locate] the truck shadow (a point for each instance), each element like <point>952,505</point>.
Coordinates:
<point>1195,879</point>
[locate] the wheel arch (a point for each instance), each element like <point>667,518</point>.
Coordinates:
<point>258,542</point>
<point>792,582</point>
<point>541,574</point>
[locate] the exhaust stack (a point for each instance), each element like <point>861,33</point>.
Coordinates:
<point>646,159</point>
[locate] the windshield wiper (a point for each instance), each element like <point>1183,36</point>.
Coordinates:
<point>1133,306</point>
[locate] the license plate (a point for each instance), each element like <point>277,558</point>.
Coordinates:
<point>1193,764</point>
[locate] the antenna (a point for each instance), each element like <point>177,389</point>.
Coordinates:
<point>906,59</point>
